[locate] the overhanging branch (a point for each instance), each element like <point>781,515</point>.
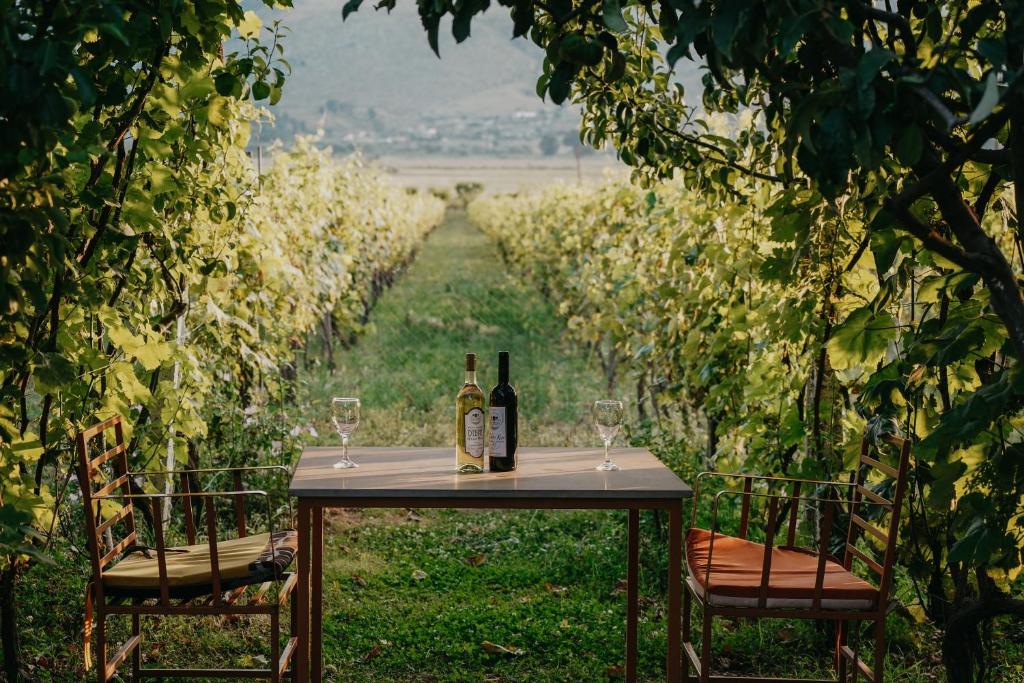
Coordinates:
<point>722,156</point>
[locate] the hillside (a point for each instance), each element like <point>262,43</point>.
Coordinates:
<point>373,83</point>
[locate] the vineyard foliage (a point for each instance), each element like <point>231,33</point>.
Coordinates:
<point>148,269</point>
<point>731,345</point>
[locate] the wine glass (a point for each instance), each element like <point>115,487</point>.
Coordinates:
<point>608,418</point>
<point>345,416</point>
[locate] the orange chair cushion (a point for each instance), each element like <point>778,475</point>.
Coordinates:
<point>737,564</point>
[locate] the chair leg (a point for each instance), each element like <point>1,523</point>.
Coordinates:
<point>687,608</point>
<point>879,648</point>
<point>101,646</point>
<point>137,652</point>
<point>275,645</point>
<point>705,646</point>
<point>855,646</point>
<point>294,615</point>
<point>842,628</point>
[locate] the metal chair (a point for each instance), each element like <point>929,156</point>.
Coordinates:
<point>734,576</point>
<point>198,579</point>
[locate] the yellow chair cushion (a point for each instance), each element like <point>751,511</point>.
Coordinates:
<point>238,559</point>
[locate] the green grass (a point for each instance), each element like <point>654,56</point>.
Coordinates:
<point>457,298</point>
<point>402,602</point>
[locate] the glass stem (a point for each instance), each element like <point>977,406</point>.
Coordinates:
<point>607,445</point>
<point>344,447</point>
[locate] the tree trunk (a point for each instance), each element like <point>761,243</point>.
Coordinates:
<point>328,334</point>
<point>9,623</point>
<point>984,256</point>
<point>962,647</point>
<point>709,457</point>
<point>641,389</point>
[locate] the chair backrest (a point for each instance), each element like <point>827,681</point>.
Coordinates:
<point>860,525</point>
<point>92,472</point>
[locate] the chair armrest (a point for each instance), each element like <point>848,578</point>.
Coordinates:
<point>281,469</point>
<point>196,494</point>
<point>756,477</point>
<point>274,469</point>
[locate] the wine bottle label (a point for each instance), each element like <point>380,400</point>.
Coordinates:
<point>475,432</point>
<point>498,433</point>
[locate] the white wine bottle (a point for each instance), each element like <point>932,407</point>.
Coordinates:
<point>469,422</point>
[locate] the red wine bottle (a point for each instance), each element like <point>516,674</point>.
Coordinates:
<point>504,420</point>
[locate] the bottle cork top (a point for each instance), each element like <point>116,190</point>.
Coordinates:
<point>471,362</point>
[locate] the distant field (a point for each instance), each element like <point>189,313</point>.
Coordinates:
<point>499,175</point>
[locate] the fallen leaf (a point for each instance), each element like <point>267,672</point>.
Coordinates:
<point>553,588</point>
<point>620,586</point>
<point>564,623</point>
<point>496,649</point>
<point>476,560</point>
<point>372,654</point>
<point>615,672</point>
<point>359,581</point>
<point>419,575</point>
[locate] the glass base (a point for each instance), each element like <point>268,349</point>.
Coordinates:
<point>608,467</point>
<point>344,465</point>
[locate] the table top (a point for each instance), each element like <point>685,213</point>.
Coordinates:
<point>429,474</point>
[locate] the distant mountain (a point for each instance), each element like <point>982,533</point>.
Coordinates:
<point>373,83</point>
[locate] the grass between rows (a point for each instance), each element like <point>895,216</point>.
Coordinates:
<point>458,595</point>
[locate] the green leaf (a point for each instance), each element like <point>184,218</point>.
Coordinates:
<point>27,449</point>
<point>250,25</point>
<point>725,26</point>
<point>885,245</point>
<point>611,13</point>
<point>227,84</point>
<point>580,50</point>
<point>861,339</point>
<point>162,179</point>
<point>461,25</point>
<point>989,99</point>
<point>975,547</point>
<point>909,146</point>
<point>350,7</point>
<point>54,370</point>
<point>561,80</point>
<point>198,88</point>
<point>86,90</point>
<point>260,91</point>
<point>871,63</point>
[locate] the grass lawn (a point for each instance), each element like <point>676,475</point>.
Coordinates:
<point>419,595</point>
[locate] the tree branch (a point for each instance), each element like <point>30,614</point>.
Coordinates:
<point>994,157</point>
<point>722,160</point>
<point>932,238</point>
<point>938,172</point>
<point>893,20</point>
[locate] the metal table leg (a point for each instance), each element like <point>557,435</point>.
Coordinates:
<point>300,665</point>
<point>632,590</point>
<point>316,631</point>
<point>675,587</point>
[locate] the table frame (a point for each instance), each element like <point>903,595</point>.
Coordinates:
<point>308,658</point>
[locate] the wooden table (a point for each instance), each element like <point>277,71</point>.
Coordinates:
<point>547,478</point>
